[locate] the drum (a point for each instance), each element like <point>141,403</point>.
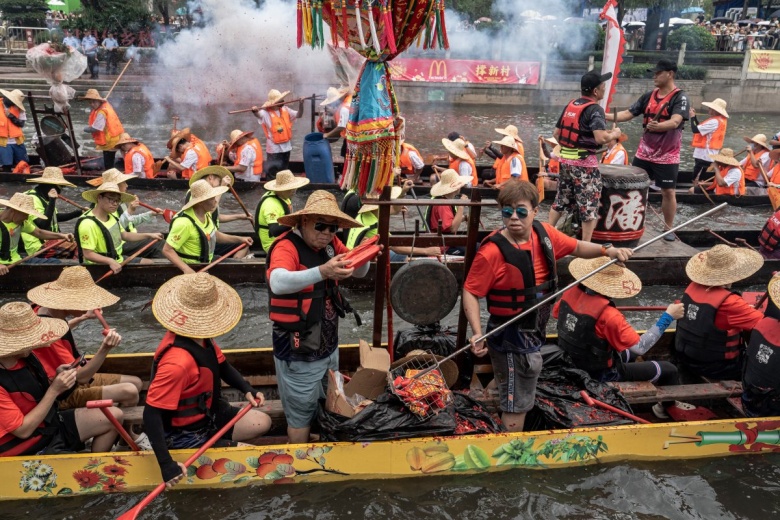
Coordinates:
<point>622,206</point>
<point>52,125</point>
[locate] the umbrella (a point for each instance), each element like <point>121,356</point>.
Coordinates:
<point>58,3</point>
<point>765,22</point>
<point>633,24</point>
<point>721,19</point>
<point>681,21</point>
<point>691,10</point>
<point>776,14</point>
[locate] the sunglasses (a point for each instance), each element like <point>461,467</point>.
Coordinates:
<point>324,226</point>
<point>507,212</point>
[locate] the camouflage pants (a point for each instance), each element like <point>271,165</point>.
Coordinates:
<point>579,189</point>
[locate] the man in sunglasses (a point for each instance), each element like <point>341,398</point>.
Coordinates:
<point>514,269</point>
<point>305,265</point>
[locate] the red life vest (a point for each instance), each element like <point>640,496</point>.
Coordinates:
<point>761,380</point>
<point>770,234</point>
<point>716,137</point>
<point>109,136</point>
<point>752,173</point>
<point>455,164</point>
<point>729,190</point>
<point>405,162</point>
<point>654,105</point>
<point>609,156</point>
<point>572,135</point>
<point>281,126</point>
<point>577,316</point>
<point>697,337</point>
<point>519,290</point>
<point>144,152</point>
<point>7,128</point>
<point>197,403</point>
<point>26,387</point>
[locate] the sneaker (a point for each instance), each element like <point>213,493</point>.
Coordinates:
<point>659,411</point>
<point>671,237</point>
<point>143,442</point>
<point>654,187</point>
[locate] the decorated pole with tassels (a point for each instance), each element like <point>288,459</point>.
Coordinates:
<point>614,45</point>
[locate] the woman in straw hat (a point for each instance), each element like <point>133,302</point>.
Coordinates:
<point>275,202</point>
<point>757,159</point>
<point>336,105</point>
<point>247,155</point>
<point>104,125</point>
<point>304,269</point>
<point>138,158</point>
<point>99,234</point>
<point>12,120</point>
<point>30,421</point>
<point>184,405</point>
<point>708,339</point>
<point>511,165</point>
<point>15,220</point>
<point>44,194</point>
<point>514,269</point>
<point>708,136</point>
<point>597,335</point>
<point>450,217</point>
<point>728,179</point>
<point>616,153</point>
<point>277,123</point>
<point>460,160</point>
<point>761,379</point>
<point>194,236</point>
<point>192,154</point>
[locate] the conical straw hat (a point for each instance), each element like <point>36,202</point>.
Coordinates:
<point>112,175</point>
<point>197,306</point>
<point>334,94</point>
<point>509,142</point>
<point>184,134</point>
<point>723,265</point>
<point>286,181</point>
<point>74,290</point>
<point>22,202</point>
<point>92,95</point>
<point>320,204</point>
<point>449,181</point>
<point>456,148</point>
<point>235,135</point>
<point>718,105</point>
<point>106,187</point>
<point>511,131</point>
<point>219,171</point>
<point>51,175</point>
<point>613,282</point>
<point>21,329</point>
<point>274,96</point>
<point>759,139</point>
<point>201,191</point>
<point>125,139</point>
<point>395,192</point>
<point>774,290</point>
<point>726,156</point>
<point>15,96</point>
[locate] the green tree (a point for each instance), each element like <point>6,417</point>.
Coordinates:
<point>26,13</point>
<point>695,37</point>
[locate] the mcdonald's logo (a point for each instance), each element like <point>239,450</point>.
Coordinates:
<point>439,66</point>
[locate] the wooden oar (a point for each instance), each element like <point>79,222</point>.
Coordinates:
<point>240,202</point>
<point>76,204</point>
<point>768,182</point>
<point>133,513</point>
<point>595,402</point>
<point>167,214</point>
<point>129,259</point>
<point>745,244</point>
<point>119,77</point>
<point>38,252</point>
<point>275,105</point>
<point>81,161</point>
<point>103,405</point>
<point>711,232</point>
<point>658,114</point>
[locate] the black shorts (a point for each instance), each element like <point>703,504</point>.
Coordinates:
<point>67,439</point>
<point>664,175</point>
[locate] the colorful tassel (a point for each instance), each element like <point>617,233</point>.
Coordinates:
<point>372,27</point>
<point>344,26</point>
<point>359,24</point>
<point>299,24</point>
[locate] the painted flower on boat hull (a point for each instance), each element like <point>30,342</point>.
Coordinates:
<point>113,485</point>
<point>113,469</point>
<point>86,478</point>
<point>37,477</point>
<point>36,483</point>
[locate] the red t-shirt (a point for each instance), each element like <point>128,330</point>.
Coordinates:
<point>736,313</point>
<point>445,214</point>
<point>489,268</point>
<point>286,256</point>
<point>54,355</point>
<point>176,373</point>
<point>611,326</point>
<point>11,417</point>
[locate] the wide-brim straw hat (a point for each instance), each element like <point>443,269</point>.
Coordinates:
<point>286,181</point>
<point>613,282</point>
<point>334,94</point>
<point>774,290</point>
<point>511,131</point>
<point>320,204</point>
<point>456,148</point>
<point>178,136</point>
<point>551,140</point>
<point>14,96</point>
<point>106,187</point>
<point>395,192</point>
<point>21,329</point>
<point>723,265</point>
<point>718,105</point>
<point>235,135</point>
<point>125,139</point>
<point>424,359</point>
<point>759,139</point>
<point>22,202</point>
<point>52,175</point>
<point>274,96</point>
<point>92,95</point>
<point>449,181</point>
<point>726,156</point>
<point>112,175</point>
<point>201,191</point>
<point>219,171</point>
<point>509,142</point>
<point>73,290</point>
<point>197,306</point>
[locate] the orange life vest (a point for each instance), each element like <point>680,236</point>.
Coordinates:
<point>109,136</point>
<point>143,151</point>
<point>716,137</point>
<point>609,156</point>
<point>504,173</point>
<point>7,128</point>
<point>774,193</point>
<point>405,162</point>
<point>572,135</point>
<point>654,105</point>
<point>281,126</point>
<point>455,163</point>
<point>204,157</point>
<point>257,166</point>
<point>729,190</point>
<point>753,173</point>
<point>348,104</point>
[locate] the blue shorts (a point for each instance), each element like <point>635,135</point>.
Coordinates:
<point>12,153</point>
<point>301,385</point>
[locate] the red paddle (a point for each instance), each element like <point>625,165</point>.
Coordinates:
<point>593,402</point>
<point>129,259</point>
<point>133,513</point>
<point>167,214</point>
<point>38,252</point>
<point>107,403</point>
<point>102,320</point>
<point>79,206</point>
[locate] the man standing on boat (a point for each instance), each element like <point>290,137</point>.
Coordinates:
<point>277,122</point>
<point>276,202</point>
<point>580,130</point>
<point>104,125</point>
<point>12,120</point>
<point>708,135</point>
<point>337,103</point>
<point>665,110</point>
<point>515,268</point>
<point>305,266</point>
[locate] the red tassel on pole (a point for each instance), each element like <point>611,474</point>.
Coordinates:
<point>299,23</point>
<point>444,27</point>
<point>344,27</point>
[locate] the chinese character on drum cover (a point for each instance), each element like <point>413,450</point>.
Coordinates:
<point>625,211</point>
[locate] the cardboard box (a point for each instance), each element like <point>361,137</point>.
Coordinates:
<point>370,381</point>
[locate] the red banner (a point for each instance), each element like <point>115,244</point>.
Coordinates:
<point>465,71</point>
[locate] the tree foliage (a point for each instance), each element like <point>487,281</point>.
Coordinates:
<point>696,38</point>
<point>24,13</point>
<point>114,15</point>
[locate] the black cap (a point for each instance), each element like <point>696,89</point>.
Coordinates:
<point>663,66</point>
<point>453,135</point>
<point>593,79</point>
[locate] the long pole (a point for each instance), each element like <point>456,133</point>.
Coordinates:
<point>66,199</point>
<point>240,202</point>
<point>38,252</point>
<point>419,211</point>
<point>129,259</point>
<point>31,100</point>
<point>275,105</point>
<point>119,77</point>
<point>74,143</point>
